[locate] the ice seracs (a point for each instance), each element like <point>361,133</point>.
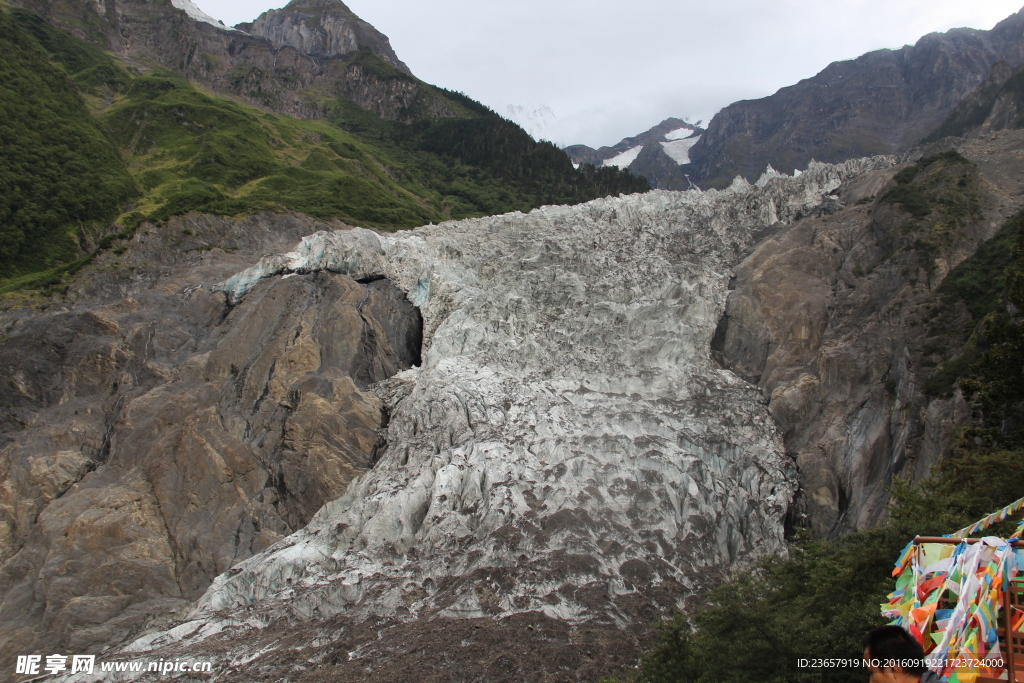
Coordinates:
<point>568,445</point>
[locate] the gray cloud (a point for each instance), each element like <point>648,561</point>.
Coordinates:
<point>609,69</point>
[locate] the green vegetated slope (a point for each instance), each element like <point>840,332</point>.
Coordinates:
<point>977,286</point>
<point>939,192</point>
<point>939,197</point>
<point>96,147</point>
<point>61,175</point>
<point>819,602</point>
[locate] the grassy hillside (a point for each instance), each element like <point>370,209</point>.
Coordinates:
<point>61,176</point>
<point>96,147</point>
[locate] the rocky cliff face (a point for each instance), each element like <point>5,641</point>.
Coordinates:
<point>834,319</point>
<point>568,448</point>
<point>997,104</point>
<point>322,28</point>
<point>883,102</point>
<point>282,76</point>
<point>155,434</point>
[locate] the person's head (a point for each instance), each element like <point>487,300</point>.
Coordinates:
<point>893,655</point>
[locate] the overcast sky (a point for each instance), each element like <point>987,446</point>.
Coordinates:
<point>609,69</point>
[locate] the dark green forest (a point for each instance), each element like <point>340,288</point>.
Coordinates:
<point>93,147</point>
<point>62,175</point>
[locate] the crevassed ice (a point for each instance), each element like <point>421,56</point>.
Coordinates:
<point>568,445</point>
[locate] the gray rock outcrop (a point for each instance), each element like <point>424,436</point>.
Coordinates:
<point>159,435</point>
<point>323,28</point>
<point>300,77</point>
<point>833,318</point>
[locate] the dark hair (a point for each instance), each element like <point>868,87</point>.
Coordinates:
<point>892,646</point>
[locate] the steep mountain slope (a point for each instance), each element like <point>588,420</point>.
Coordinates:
<point>997,104</point>
<point>480,450</point>
<point>187,148</point>
<point>840,321</point>
<point>61,175</point>
<point>880,103</point>
<point>655,154</point>
<point>151,442</point>
<point>279,77</point>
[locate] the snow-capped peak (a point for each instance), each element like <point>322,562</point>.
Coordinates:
<point>192,10</point>
<point>535,120</point>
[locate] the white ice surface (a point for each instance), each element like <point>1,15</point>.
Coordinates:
<point>679,150</point>
<point>625,159</point>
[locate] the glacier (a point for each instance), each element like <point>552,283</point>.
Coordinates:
<point>568,445</point>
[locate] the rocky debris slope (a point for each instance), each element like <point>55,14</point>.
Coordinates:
<point>883,102</point>
<point>154,435</point>
<point>568,447</point>
<point>834,318</point>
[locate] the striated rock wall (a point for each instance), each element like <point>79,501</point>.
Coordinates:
<point>832,318</point>
<point>568,446</point>
<point>155,435</point>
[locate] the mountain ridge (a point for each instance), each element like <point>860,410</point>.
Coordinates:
<point>882,102</point>
<point>885,101</point>
<point>656,154</point>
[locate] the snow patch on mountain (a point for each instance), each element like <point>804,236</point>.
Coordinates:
<point>679,134</point>
<point>625,159</point>
<point>197,14</point>
<point>679,149</point>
